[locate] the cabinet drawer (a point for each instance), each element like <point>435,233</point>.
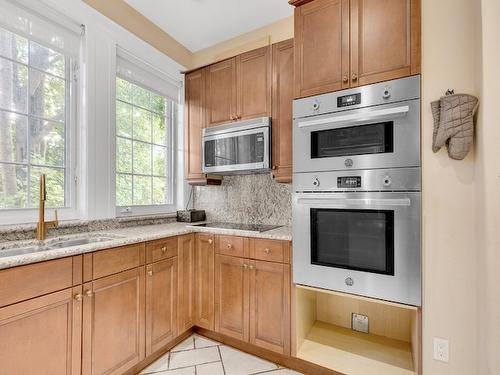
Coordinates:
<point>271,250</point>
<point>118,259</point>
<point>161,249</point>
<point>33,280</point>
<point>232,246</point>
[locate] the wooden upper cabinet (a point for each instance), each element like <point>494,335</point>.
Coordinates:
<point>385,40</point>
<point>254,84</point>
<point>42,335</point>
<point>113,323</point>
<point>221,92</point>
<point>204,280</point>
<point>270,306</point>
<point>186,272</point>
<point>321,47</point>
<point>194,123</point>
<point>161,304</point>
<point>282,97</point>
<point>232,296</point>
<point>348,43</point>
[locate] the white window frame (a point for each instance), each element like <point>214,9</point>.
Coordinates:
<point>171,146</point>
<point>70,210</point>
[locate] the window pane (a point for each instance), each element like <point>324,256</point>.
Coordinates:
<point>142,125</point>
<point>47,96</point>
<point>13,186</point>
<point>123,119</point>
<point>123,190</point>
<point>123,155</point>
<point>159,132</point>
<point>123,90</point>
<point>142,158</point>
<point>46,59</point>
<point>47,142</point>
<point>54,183</point>
<point>158,103</point>
<point>13,137</point>
<point>142,190</point>
<point>13,46</point>
<point>159,161</point>
<point>13,86</point>
<point>159,190</point>
<point>141,97</point>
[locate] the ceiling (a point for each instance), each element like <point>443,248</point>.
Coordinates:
<point>198,24</point>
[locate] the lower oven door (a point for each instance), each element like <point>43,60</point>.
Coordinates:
<point>361,243</point>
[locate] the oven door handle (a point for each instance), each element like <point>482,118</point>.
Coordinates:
<point>394,112</point>
<point>358,202</point>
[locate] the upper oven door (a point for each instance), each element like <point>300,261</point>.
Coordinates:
<point>236,151</point>
<point>383,136</point>
<point>360,243</point>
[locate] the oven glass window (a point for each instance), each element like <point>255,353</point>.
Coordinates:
<point>243,149</point>
<point>354,140</point>
<point>360,240</point>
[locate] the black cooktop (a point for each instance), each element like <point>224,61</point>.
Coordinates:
<point>237,226</point>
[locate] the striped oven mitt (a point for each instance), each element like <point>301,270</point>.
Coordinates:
<point>454,124</point>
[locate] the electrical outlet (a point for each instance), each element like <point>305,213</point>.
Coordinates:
<point>359,323</point>
<point>441,350</point>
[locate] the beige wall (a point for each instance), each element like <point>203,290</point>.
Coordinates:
<point>272,33</point>
<point>488,215</point>
<point>126,16</point>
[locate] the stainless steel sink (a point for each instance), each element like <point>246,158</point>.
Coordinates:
<point>23,249</point>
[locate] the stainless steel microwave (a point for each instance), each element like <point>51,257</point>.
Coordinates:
<point>238,148</point>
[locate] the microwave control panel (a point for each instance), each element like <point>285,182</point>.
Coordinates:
<point>349,182</point>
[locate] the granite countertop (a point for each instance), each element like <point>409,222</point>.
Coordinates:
<point>120,237</point>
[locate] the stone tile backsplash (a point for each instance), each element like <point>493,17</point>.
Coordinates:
<point>252,199</point>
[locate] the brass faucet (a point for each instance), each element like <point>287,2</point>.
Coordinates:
<point>42,226</point>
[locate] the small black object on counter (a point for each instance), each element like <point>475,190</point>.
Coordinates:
<point>191,216</point>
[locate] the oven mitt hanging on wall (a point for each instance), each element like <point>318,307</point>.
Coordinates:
<point>454,124</point>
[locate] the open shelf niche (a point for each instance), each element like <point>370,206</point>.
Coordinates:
<point>324,336</point>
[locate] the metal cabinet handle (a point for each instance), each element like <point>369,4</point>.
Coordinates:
<point>164,249</point>
<point>89,293</point>
<point>245,266</point>
<point>229,246</point>
<point>354,77</point>
<point>251,267</point>
<point>150,272</point>
<point>210,241</point>
<point>345,79</point>
<point>78,297</point>
<point>267,251</point>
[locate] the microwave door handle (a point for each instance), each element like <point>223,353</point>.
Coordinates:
<point>350,118</point>
<point>359,202</point>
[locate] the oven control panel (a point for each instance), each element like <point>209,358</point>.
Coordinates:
<point>349,182</point>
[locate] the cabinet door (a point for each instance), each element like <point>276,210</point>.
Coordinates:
<point>385,40</point>
<point>221,92</point>
<point>270,306</point>
<point>321,47</point>
<point>194,122</point>
<point>113,323</point>
<point>254,84</point>
<point>282,110</point>
<point>161,304</point>
<point>232,296</point>
<point>42,335</point>
<point>204,281</point>
<point>185,297</point>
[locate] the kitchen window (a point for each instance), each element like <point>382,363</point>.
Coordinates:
<point>145,140</point>
<point>36,119</point>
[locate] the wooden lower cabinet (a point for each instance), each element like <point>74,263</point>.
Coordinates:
<point>113,323</point>
<point>252,302</point>
<point>204,280</point>
<point>185,291</point>
<point>231,296</point>
<point>42,335</point>
<point>270,306</point>
<point>161,304</point>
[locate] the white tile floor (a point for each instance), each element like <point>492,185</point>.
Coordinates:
<point>198,355</point>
